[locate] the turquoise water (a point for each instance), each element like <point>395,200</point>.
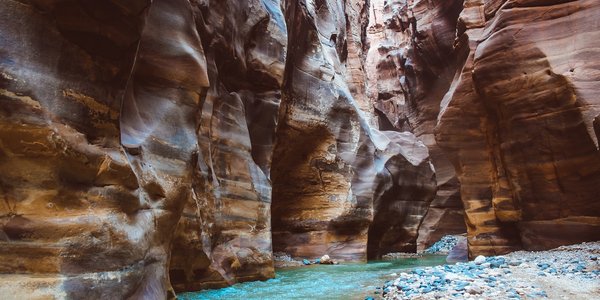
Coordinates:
<point>343,281</point>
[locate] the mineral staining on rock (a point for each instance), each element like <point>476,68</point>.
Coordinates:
<point>409,67</point>
<point>224,233</point>
<point>152,145</point>
<point>137,138</point>
<point>517,124</point>
<point>336,180</point>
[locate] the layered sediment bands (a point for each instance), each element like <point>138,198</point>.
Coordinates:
<point>144,143</point>
<point>315,211</point>
<point>518,123</point>
<point>224,234</point>
<point>82,216</point>
<point>410,65</point>
<point>329,165</point>
<point>405,186</point>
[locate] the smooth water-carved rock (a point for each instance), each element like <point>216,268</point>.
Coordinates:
<point>140,140</point>
<point>405,187</point>
<point>329,168</point>
<point>518,124</point>
<point>136,143</point>
<point>410,65</point>
<point>224,235</point>
<point>93,186</point>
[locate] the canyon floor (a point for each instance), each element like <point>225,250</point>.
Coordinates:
<point>567,272</point>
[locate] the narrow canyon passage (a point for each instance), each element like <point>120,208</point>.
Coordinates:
<point>154,147</point>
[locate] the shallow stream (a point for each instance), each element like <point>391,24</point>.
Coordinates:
<point>343,281</point>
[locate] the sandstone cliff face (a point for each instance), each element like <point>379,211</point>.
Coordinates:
<point>151,144</point>
<point>136,142</point>
<point>224,234</point>
<point>97,146</point>
<point>518,123</point>
<point>410,65</point>
<point>330,168</point>
<point>515,91</point>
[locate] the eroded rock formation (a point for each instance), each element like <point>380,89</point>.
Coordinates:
<point>331,168</point>
<point>137,138</point>
<point>518,123</point>
<point>410,65</point>
<point>152,145</point>
<point>92,182</point>
<point>224,234</point>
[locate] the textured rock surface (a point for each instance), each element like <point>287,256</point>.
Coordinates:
<point>329,165</point>
<point>224,234</point>
<point>410,65</point>
<point>405,187</point>
<point>102,211</point>
<point>136,143</point>
<point>141,141</point>
<point>79,209</point>
<point>518,123</point>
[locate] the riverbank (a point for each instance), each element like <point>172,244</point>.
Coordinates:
<point>568,272</point>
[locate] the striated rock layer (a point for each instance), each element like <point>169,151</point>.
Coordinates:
<point>510,91</point>
<point>152,146</point>
<point>224,234</point>
<point>136,145</point>
<point>410,65</point>
<point>97,141</point>
<point>518,123</point>
<point>332,172</point>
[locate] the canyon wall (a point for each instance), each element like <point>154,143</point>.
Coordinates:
<point>332,172</point>
<point>409,66</point>
<point>136,145</point>
<point>96,147</point>
<point>518,123</point>
<point>148,147</point>
<point>507,89</point>
<point>224,234</point>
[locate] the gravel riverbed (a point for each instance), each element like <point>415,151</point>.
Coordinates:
<point>568,272</point>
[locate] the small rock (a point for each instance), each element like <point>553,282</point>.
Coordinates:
<point>473,290</point>
<point>479,259</point>
<point>326,260</point>
<point>515,263</point>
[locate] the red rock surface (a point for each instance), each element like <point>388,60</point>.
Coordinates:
<point>518,123</point>
<point>336,180</point>
<point>136,144</point>
<point>410,65</point>
<point>224,234</point>
<point>153,146</point>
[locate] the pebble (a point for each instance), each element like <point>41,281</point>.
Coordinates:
<point>490,277</point>
<point>479,260</point>
<point>443,246</point>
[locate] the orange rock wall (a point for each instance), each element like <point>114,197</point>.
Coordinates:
<point>518,123</point>
<point>148,147</point>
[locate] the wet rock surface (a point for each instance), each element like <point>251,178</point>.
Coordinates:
<point>568,272</point>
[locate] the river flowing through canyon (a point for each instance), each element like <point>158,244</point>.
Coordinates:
<point>344,281</point>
